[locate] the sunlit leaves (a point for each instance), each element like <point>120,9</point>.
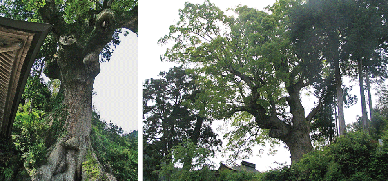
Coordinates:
<point>195,161</point>
<point>251,53</point>
<point>115,148</point>
<point>78,10</point>
<point>29,134</point>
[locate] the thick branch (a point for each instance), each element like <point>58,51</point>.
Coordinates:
<point>130,20</point>
<point>131,24</point>
<point>51,15</point>
<point>314,111</point>
<point>277,128</point>
<point>102,33</point>
<point>246,79</point>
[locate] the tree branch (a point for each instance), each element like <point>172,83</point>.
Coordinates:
<point>51,15</point>
<point>314,111</point>
<point>246,79</point>
<point>130,21</point>
<point>102,33</point>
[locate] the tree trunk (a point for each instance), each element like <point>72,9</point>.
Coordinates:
<point>65,162</point>
<point>369,94</point>
<point>363,104</point>
<point>340,99</point>
<point>298,139</point>
<point>299,143</point>
<point>296,135</point>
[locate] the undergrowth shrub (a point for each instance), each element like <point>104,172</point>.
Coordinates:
<point>355,156</point>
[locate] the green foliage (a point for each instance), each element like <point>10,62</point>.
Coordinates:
<point>90,166</point>
<point>246,63</point>
<point>29,134</point>
<point>76,18</point>
<point>171,118</point>
<point>116,151</point>
<point>195,161</point>
<point>238,175</point>
<point>34,129</point>
<point>11,162</point>
<point>355,156</point>
<point>37,93</point>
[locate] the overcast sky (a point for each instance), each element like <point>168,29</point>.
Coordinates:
<point>117,86</point>
<point>155,17</point>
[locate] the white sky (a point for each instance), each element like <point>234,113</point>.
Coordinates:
<point>155,17</point>
<point>117,85</point>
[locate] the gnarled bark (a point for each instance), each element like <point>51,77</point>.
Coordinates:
<point>296,134</point>
<point>78,67</point>
<point>65,161</point>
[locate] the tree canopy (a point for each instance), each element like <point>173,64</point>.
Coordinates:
<point>170,119</point>
<point>248,64</point>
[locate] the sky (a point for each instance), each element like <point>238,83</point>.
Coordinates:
<point>154,22</point>
<point>116,86</point>
<point>155,17</point>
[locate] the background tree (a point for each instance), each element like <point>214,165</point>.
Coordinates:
<point>311,26</point>
<point>347,33</point>
<point>247,64</point>
<point>169,119</point>
<point>82,30</point>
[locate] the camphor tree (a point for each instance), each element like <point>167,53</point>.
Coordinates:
<point>247,65</point>
<point>82,32</point>
<point>170,120</point>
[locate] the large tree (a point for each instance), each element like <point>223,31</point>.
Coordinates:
<point>82,32</point>
<point>346,33</point>
<point>247,64</point>
<point>170,119</point>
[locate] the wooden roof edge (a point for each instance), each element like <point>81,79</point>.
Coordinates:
<point>24,25</point>
<point>40,31</point>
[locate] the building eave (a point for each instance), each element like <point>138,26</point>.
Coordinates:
<point>30,38</point>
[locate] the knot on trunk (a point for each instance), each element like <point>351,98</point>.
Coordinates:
<point>105,20</point>
<point>92,63</point>
<point>67,40</point>
<point>71,144</point>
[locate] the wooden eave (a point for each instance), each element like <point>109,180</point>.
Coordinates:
<point>20,41</point>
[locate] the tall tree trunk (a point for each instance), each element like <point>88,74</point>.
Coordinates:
<point>369,94</point>
<point>340,98</point>
<point>68,154</point>
<point>364,117</point>
<point>299,142</point>
<point>296,135</point>
<point>78,65</point>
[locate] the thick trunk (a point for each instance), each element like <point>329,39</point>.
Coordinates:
<point>362,94</point>
<point>299,143</point>
<point>296,135</point>
<point>298,140</point>
<point>68,154</point>
<point>340,99</point>
<point>78,65</point>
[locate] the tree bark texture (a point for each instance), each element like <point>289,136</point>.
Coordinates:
<point>296,135</point>
<point>369,94</point>
<point>364,117</point>
<point>340,99</point>
<point>78,66</point>
<point>77,78</point>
